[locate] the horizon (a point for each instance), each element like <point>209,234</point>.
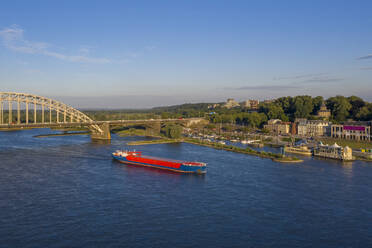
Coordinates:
<point>169,105</point>
<point>126,55</point>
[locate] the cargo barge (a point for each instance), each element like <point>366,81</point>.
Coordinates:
<point>136,158</point>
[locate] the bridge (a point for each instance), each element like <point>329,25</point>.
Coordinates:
<point>57,114</point>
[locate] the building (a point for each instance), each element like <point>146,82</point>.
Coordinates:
<point>251,104</point>
<point>312,128</point>
<point>317,128</point>
<point>246,104</point>
<point>301,120</point>
<point>351,131</point>
<point>231,103</point>
<point>254,104</point>
<point>273,121</point>
<point>324,112</point>
<point>213,106</point>
<point>301,126</point>
<point>278,127</point>
<point>302,129</point>
<point>334,151</point>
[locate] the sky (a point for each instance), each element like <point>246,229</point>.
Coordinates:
<point>140,54</point>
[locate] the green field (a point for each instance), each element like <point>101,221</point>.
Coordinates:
<point>352,144</point>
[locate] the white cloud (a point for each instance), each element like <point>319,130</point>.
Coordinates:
<point>149,48</point>
<point>264,87</point>
<point>325,79</point>
<point>311,78</point>
<point>368,56</point>
<point>13,39</point>
<point>303,76</point>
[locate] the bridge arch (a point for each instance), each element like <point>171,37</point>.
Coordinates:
<point>67,113</point>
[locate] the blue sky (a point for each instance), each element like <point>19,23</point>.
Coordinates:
<point>125,54</point>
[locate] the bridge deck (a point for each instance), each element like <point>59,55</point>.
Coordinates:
<point>77,124</point>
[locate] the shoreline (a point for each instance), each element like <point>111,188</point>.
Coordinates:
<point>60,134</point>
<point>153,142</point>
<point>273,156</point>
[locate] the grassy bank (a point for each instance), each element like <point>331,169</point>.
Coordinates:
<point>61,134</point>
<point>71,129</point>
<point>362,158</point>
<point>351,143</point>
<point>151,142</point>
<point>134,132</point>
<point>15,129</point>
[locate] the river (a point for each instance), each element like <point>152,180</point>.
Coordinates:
<point>68,192</point>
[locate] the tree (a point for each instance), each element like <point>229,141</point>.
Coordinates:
<point>165,115</point>
<point>172,131</point>
<point>256,119</point>
<point>210,126</point>
<point>302,106</point>
<point>273,111</point>
<point>317,103</point>
<point>227,118</point>
<point>365,113</point>
<point>285,103</point>
<point>340,107</point>
<point>356,104</point>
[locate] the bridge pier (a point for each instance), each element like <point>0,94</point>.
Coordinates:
<point>10,117</point>
<point>26,111</point>
<point>1,111</point>
<point>104,135</point>
<point>18,111</point>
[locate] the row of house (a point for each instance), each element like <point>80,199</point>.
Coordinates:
<point>311,128</point>
<point>360,131</point>
<point>251,104</point>
<point>278,127</point>
<point>351,131</point>
<point>231,103</point>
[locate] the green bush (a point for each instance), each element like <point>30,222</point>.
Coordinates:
<point>172,131</point>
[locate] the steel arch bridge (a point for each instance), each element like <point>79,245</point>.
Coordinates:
<point>57,112</point>
<point>45,113</point>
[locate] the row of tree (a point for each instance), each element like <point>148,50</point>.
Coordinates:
<point>342,108</point>
<point>284,108</point>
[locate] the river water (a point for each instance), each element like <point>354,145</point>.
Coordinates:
<point>68,192</point>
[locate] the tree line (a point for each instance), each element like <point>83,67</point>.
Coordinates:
<point>284,108</point>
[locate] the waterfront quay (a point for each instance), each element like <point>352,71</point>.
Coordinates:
<point>296,144</point>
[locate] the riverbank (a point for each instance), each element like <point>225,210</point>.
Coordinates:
<point>70,129</point>
<point>274,156</point>
<point>152,142</point>
<point>61,134</point>
<point>362,158</point>
<point>15,129</point>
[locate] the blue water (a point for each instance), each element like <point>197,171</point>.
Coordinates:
<point>67,192</point>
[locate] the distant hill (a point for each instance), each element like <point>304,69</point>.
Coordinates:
<point>186,106</point>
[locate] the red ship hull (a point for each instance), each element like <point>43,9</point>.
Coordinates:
<point>136,158</point>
